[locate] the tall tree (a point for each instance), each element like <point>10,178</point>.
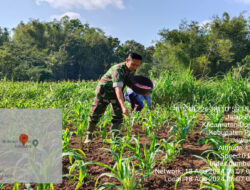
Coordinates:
<point>32,33</point>
<point>4,36</point>
<point>210,49</point>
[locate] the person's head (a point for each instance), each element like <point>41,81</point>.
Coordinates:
<point>133,61</point>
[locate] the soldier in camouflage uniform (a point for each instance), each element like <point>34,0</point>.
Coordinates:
<point>110,90</point>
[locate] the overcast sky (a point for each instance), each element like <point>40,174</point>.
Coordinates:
<point>138,20</point>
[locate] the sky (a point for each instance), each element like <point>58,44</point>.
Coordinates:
<point>139,20</point>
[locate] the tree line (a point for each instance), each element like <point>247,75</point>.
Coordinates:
<point>67,49</point>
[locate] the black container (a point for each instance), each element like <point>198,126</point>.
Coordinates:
<point>140,84</point>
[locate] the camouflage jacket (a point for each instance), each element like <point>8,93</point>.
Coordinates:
<point>117,76</point>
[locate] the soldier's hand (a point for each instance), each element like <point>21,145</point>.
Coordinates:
<point>125,111</point>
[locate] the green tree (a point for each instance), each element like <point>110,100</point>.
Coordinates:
<point>4,36</point>
<point>22,62</point>
<point>236,30</point>
<point>67,63</point>
<point>207,50</point>
<point>128,47</point>
<point>32,33</point>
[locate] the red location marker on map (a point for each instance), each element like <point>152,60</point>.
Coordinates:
<point>23,138</point>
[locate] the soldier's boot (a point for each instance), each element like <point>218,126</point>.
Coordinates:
<point>91,128</point>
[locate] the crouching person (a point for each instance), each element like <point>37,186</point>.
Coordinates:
<point>137,100</point>
<point>110,90</point>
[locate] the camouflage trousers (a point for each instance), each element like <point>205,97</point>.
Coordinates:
<point>103,98</point>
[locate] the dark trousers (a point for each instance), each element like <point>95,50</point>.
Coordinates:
<point>134,103</point>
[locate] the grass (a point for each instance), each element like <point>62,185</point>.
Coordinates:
<point>172,88</point>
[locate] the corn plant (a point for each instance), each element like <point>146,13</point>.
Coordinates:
<point>215,141</point>
<point>138,117</point>
<point>244,119</point>
<point>116,145</point>
<point>124,172</point>
<point>184,122</point>
<point>148,126</point>
<point>65,117</point>
<point>81,127</point>
<point>171,150</point>
<point>216,117</point>
<point>16,186</point>
<point>45,186</point>
<point>220,148</point>
<point>216,177</point>
<point>79,163</point>
<point>245,123</point>
<point>81,120</point>
<point>104,122</point>
<point>146,159</point>
<point>128,123</point>
<point>161,116</point>
<point>66,139</point>
<point>244,115</point>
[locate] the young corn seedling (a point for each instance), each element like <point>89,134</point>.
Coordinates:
<point>161,116</point>
<point>117,145</point>
<point>81,119</point>
<point>171,150</point>
<point>146,159</point>
<point>218,176</point>
<point>124,172</point>
<point>45,186</point>
<point>16,186</point>
<point>104,122</point>
<point>79,164</point>
<point>148,126</point>
<point>245,124</point>
<point>244,119</point>
<point>215,141</point>
<point>216,117</point>
<point>184,122</point>
<point>66,139</point>
<point>81,127</point>
<point>128,124</point>
<point>65,116</point>
<point>138,117</point>
<point>221,150</point>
